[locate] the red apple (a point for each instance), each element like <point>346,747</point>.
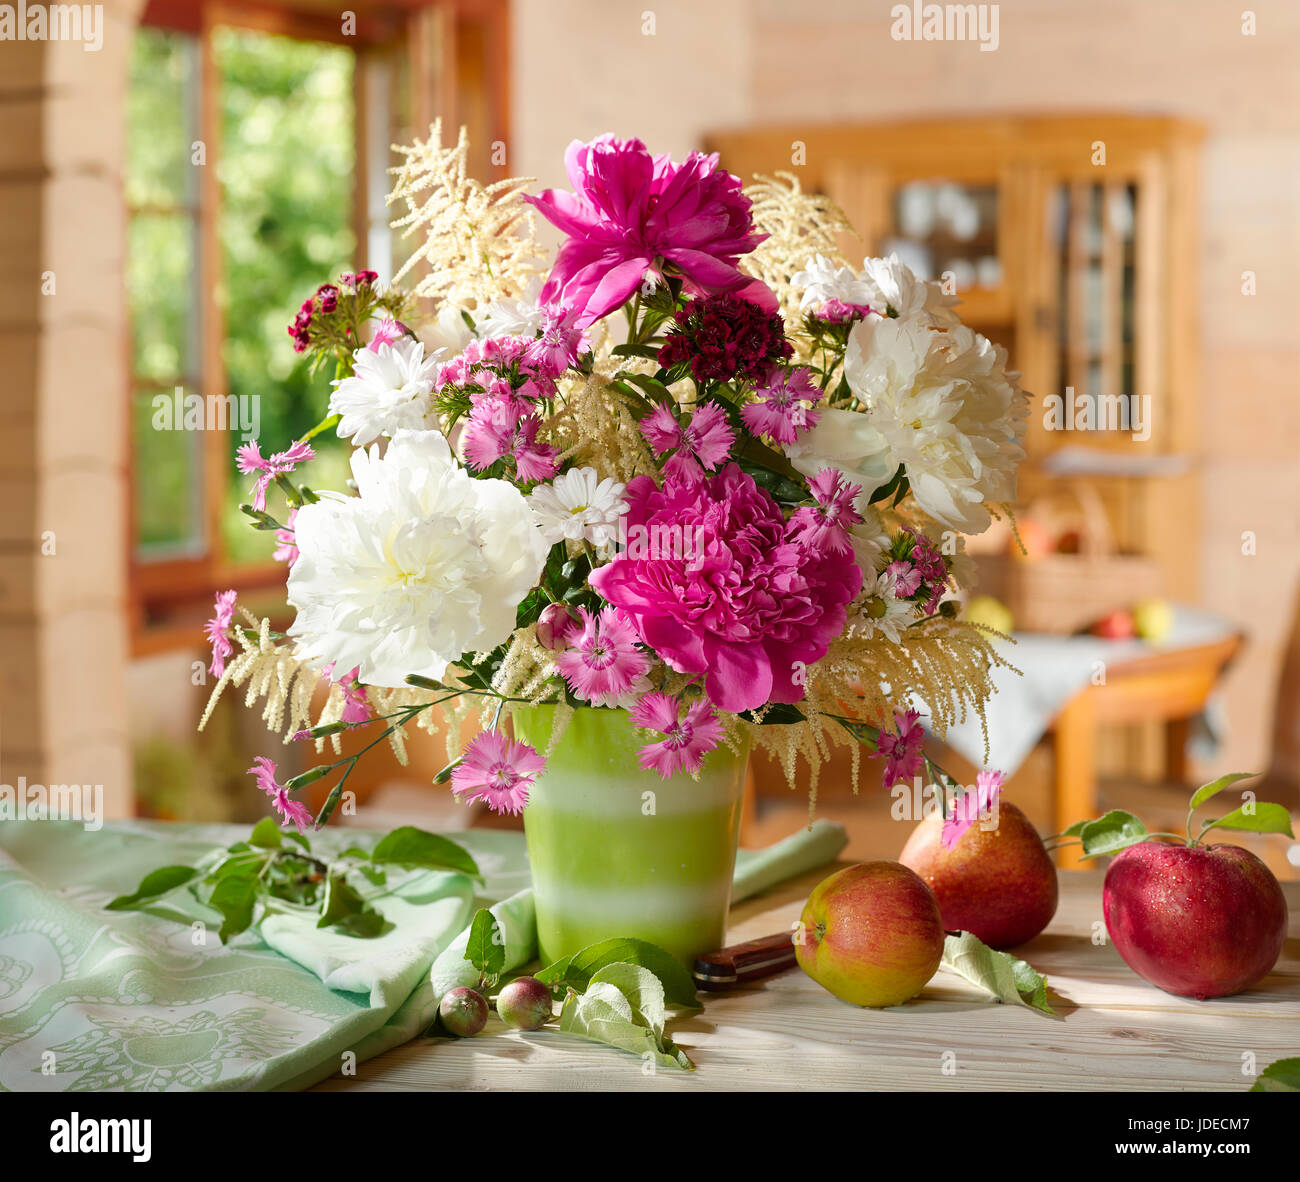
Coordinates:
<point>1199,921</point>
<point>1116,626</point>
<point>871,934</point>
<point>998,884</point>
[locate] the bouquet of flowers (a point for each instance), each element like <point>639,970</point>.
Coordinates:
<point>696,467</point>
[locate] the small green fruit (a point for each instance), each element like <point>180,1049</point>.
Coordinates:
<point>525,1004</point>
<point>463,1011</point>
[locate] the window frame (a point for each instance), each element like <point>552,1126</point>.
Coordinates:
<point>169,595</point>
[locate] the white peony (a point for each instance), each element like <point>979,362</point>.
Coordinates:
<point>423,566</point>
<point>948,409</point>
<point>448,331</point>
<point>579,506</point>
<point>512,318</point>
<point>848,441</point>
<point>389,391</point>
<point>822,280</point>
<point>893,288</point>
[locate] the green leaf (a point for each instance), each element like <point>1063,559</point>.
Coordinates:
<point>235,897</point>
<point>412,847</point>
<point>324,425</point>
<point>346,910</point>
<point>643,990</point>
<point>1116,831</point>
<point>266,834</point>
<point>153,886</point>
<point>577,970</point>
<point>783,490</point>
<point>299,838</point>
<point>653,389</point>
<point>647,351</point>
<point>998,973</point>
<point>1264,817</point>
<point>605,1015</point>
<point>1074,830</point>
<point>486,949</point>
<point>1281,1076</point>
<point>1214,787</point>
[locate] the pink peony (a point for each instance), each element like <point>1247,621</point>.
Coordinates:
<point>605,660</point>
<point>970,806</point>
<point>631,212</point>
<point>903,752</point>
<point>686,740</point>
<point>217,630</point>
<point>731,596</point>
<point>498,771</point>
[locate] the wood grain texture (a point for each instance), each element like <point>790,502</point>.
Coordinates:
<point>1114,1033</point>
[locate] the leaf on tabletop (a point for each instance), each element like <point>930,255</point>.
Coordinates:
<point>998,973</point>
<point>1264,817</point>
<point>643,990</point>
<point>153,886</point>
<point>577,970</point>
<point>346,910</point>
<point>1214,787</point>
<point>412,847</point>
<point>1115,831</point>
<point>1281,1076</point>
<point>265,835</point>
<point>605,1015</point>
<point>486,949</point>
<point>235,896</point>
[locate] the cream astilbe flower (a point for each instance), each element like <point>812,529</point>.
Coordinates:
<point>949,410</point>
<point>387,392</point>
<point>891,287</point>
<point>478,239</point>
<point>579,506</point>
<point>426,564</point>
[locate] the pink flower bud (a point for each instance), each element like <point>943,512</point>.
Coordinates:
<point>553,626</point>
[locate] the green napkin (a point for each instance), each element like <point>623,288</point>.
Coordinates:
<point>93,1000</point>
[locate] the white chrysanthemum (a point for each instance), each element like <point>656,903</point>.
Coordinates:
<point>822,280</point>
<point>579,506</point>
<point>847,441</point>
<point>423,566</point>
<point>882,613</point>
<point>890,287</point>
<point>512,318</point>
<point>388,392</point>
<point>949,411</point>
<point>870,541</point>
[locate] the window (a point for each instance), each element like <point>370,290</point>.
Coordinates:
<point>257,156</point>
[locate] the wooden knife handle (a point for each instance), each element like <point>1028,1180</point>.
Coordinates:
<point>741,963</point>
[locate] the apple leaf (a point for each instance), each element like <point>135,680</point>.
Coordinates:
<point>1074,830</point>
<point>643,990</point>
<point>414,848</point>
<point>486,949</point>
<point>154,885</point>
<point>1115,831</point>
<point>1214,787</point>
<point>1281,1076</point>
<point>577,970</point>
<point>1264,817</point>
<point>604,1014</point>
<point>998,973</point>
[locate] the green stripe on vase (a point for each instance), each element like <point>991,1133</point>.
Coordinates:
<point>617,851</point>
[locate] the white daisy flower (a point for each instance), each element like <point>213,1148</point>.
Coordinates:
<point>579,506</point>
<point>882,613</point>
<point>388,392</point>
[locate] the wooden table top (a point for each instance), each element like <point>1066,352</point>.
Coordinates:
<point>1114,1031</point>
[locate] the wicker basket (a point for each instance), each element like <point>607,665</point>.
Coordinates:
<point>1063,593</point>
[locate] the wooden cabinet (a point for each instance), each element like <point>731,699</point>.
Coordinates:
<point>1072,241</point>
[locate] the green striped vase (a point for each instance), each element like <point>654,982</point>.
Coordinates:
<point>617,851</point>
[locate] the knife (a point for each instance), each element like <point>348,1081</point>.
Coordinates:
<point>729,968</point>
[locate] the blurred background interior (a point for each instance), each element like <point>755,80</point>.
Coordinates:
<point>1113,194</point>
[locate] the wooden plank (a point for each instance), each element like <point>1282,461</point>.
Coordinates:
<point>1114,1033</point>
